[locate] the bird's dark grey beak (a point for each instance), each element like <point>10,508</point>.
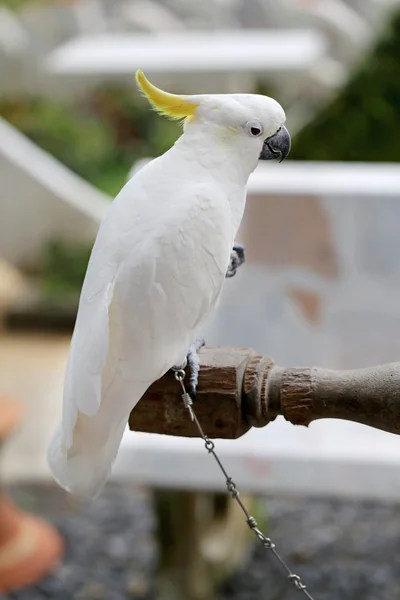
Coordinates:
<point>276,146</point>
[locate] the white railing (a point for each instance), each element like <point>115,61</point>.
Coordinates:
<point>41,199</point>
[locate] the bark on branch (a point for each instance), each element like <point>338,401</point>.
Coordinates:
<point>239,389</point>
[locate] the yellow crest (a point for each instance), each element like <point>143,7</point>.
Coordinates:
<point>170,105</point>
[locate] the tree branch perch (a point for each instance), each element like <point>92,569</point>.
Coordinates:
<point>239,389</point>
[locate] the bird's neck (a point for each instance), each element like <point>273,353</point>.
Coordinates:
<point>225,157</point>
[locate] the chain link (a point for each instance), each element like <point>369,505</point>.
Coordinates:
<point>233,491</point>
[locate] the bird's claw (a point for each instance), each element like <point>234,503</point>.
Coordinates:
<point>238,257</point>
<point>193,361</point>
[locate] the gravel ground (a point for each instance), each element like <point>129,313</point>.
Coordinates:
<point>343,550</point>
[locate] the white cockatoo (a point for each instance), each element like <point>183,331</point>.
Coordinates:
<point>156,271</point>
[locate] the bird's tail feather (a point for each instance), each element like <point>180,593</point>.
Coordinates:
<point>83,474</point>
<point>83,468</point>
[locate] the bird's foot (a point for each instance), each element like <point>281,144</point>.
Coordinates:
<point>238,256</point>
<point>193,360</point>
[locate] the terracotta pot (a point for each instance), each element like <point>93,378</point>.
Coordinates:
<point>29,547</point>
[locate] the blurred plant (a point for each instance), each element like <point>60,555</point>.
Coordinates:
<point>16,4</point>
<point>79,141</point>
<point>63,270</point>
<point>363,122</point>
<point>99,137</point>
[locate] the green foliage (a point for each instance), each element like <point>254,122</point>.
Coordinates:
<point>16,4</point>
<point>99,137</point>
<point>79,141</point>
<point>363,122</point>
<point>64,268</point>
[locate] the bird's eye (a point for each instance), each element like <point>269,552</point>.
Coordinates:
<point>254,128</point>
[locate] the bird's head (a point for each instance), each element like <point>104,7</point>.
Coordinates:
<point>252,123</point>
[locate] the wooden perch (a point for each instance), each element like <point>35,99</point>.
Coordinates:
<point>239,389</point>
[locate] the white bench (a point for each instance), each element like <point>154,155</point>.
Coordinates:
<point>332,458</point>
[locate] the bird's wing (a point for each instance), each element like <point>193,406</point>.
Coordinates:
<point>155,272</point>
<point>151,280</point>
<point>90,341</point>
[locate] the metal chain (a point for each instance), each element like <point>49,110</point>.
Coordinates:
<point>233,491</point>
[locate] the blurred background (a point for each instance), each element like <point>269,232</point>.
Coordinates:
<point>321,286</point>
